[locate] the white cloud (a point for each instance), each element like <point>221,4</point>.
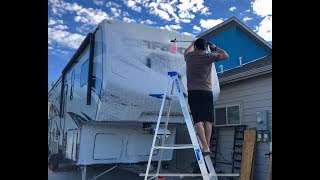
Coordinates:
<point>175,27</point>
<point>197,28</point>
<point>205,11</point>
<point>91,16</point>
<point>209,23</point>
<point>55,11</point>
<point>171,27</point>
<point>262,7</point>
<point>185,20</point>
<point>186,15</point>
<point>125,13</point>
<point>246,19</point>
<point>147,22</point>
<point>265,28</point>
<point>126,19</point>
<point>168,8</point>
<point>132,4</point>
<point>112,4</point>
<point>179,11</point>
<point>57,7</point>
<point>64,38</point>
<point>51,22</point>
<point>61,27</point>
<point>98,2</point>
<point>248,10</point>
<point>84,29</point>
<point>173,2</point>
<point>59,51</point>
<point>66,54</point>
<point>116,12</point>
<point>189,34</point>
<point>187,5</point>
<point>49,47</point>
<point>162,14</point>
<point>232,8</point>
<point>54,22</point>
<point>81,19</point>
<point>153,9</point>
<point>84,15</point>
<point>57,24</point>
<point>168,28</point>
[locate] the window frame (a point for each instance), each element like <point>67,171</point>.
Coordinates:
<point>226,107</point>
<point>72,83</point>
<point>87,61</point>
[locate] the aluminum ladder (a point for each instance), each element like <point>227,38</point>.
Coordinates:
<point>205,163</point>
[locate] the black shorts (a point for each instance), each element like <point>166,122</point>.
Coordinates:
<point>201,105</point>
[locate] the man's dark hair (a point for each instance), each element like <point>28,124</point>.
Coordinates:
<point>200,44</point>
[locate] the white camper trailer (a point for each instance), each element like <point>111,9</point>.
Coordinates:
<point>100,109</point>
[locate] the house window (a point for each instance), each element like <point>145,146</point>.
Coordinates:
<point>84,73</point>
<point>227,115</point>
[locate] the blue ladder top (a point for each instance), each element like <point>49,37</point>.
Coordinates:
<point>170,73</point>
<point>173,73</point>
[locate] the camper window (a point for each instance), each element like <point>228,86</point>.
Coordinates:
<point>72,85</point>
<point>84,73</point>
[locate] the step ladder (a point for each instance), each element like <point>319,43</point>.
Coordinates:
<point>205,164</point>
<point>214,144</point>
<point>237,149</point>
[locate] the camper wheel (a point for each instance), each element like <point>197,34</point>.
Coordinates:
<point>55,160</point>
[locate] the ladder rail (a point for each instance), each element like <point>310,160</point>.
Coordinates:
<point>165,128</point>
<point>189,123</point>
<point>206,158</point>
<point>156,130</point>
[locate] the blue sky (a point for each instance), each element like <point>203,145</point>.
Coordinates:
<point>69,21</point>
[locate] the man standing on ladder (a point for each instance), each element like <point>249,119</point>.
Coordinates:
<point>200,97</point>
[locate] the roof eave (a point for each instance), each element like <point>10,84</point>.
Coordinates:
<point>241,24</point>
<point>246,75</point>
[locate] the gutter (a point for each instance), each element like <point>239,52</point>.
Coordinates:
<point>245,75</point>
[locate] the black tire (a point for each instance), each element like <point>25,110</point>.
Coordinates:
<point>53,167</point>
<point>54,161</point>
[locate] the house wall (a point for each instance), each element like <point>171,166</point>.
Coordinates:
<point>236,41</point>
<point>253,95</point>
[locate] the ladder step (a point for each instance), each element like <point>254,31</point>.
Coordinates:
<point>220,162</point>
<point>156,95</point>
<point>160,96</point>
<point>176,146</point>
